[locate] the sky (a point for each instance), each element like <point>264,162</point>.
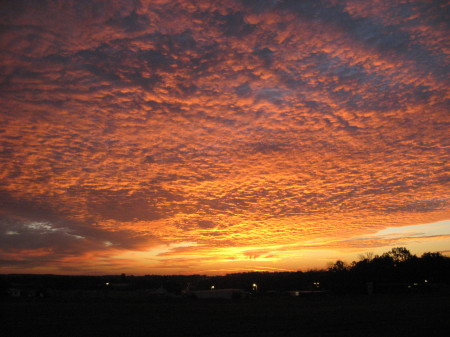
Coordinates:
<point>211,137</point>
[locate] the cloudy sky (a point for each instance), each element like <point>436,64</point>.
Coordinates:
<point>198,136</point>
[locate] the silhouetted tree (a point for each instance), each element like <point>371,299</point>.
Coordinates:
<point>435,267</point>
<point>399,254</point>
<point>369,256</point>
<point>433,257</point>
<point>338,266</point>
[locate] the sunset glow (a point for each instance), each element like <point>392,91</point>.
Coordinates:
<point>186,137</point>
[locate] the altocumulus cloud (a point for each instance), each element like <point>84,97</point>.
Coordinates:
<point>130,125</point>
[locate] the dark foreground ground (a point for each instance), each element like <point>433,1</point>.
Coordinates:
<point>377,315</point>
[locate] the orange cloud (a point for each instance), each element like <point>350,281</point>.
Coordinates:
<point>247,128</point>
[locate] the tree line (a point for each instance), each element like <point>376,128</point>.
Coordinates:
<point>395,270</point>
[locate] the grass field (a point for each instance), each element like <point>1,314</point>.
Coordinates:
<point>378,315</point>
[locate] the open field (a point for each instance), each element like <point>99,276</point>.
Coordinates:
<point>378,315</point>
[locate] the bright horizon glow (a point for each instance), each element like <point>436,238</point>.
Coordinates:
<point>210,137</point>
<point>417,238</point>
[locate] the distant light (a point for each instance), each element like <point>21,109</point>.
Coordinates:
<point>107,283</point>
<point>426,281</point>
<point>212,287</point>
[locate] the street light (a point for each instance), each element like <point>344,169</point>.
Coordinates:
<point>212,287</point>
<point>255,287</point>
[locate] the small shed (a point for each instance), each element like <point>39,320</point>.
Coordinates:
<point>25,291</point>
<point>227,294</point>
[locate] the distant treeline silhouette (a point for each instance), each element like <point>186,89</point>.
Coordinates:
<point>393,271</point>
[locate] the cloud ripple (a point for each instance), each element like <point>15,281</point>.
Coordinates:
<point>127,125</point>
